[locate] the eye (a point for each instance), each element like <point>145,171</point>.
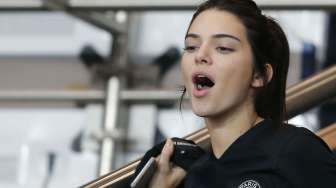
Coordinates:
<point>223,49</point>
<point>190,48</point>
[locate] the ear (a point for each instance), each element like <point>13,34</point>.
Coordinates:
<point>258,80</point>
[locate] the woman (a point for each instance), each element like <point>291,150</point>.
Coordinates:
<point>234,68</point>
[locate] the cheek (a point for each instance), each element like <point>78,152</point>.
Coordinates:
<point>236,72</point>
<point>244,63</point>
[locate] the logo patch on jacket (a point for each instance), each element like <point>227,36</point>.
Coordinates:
<point>249,184</point>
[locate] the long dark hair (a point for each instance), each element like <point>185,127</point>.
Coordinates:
<point>269,45</point>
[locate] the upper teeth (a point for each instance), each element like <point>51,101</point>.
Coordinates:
<point>200,86</point>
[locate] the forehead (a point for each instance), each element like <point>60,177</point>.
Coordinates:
<point>214,21</point>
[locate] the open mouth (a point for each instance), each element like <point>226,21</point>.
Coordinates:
<point>203,81</point>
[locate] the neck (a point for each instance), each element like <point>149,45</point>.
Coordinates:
<point>229,126</point>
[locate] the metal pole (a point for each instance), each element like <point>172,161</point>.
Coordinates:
<point>110,124</point>
<point>52,95</point>
<point>144,5</point>
<point>129,96</point>
<point>192,4</point>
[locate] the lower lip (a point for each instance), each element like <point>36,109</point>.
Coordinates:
<point>200,92</point>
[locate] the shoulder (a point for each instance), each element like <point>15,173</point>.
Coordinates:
<point>288,144</point>
<point>303,142</point>
<point>289,138</point>
<point>306,160</point>
<point>300,143</point>
<point>273,139</point>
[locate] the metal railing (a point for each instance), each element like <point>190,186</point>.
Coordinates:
<point>328,134</point>
<point>132,96</point>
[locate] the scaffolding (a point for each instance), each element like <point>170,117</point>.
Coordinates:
<point>98,13</point>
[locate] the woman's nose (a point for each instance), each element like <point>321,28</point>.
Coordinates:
<point>203,56</point>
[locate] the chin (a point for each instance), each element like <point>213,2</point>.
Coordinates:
<point>201,111</point>
<point>209,110</point>
<point>203,115</point>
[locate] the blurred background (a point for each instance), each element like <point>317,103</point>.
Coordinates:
<point>88,86</point>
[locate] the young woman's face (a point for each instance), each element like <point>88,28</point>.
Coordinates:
<point>217,63</point>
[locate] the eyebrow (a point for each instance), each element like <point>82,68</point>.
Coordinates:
<point>220,35</point>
